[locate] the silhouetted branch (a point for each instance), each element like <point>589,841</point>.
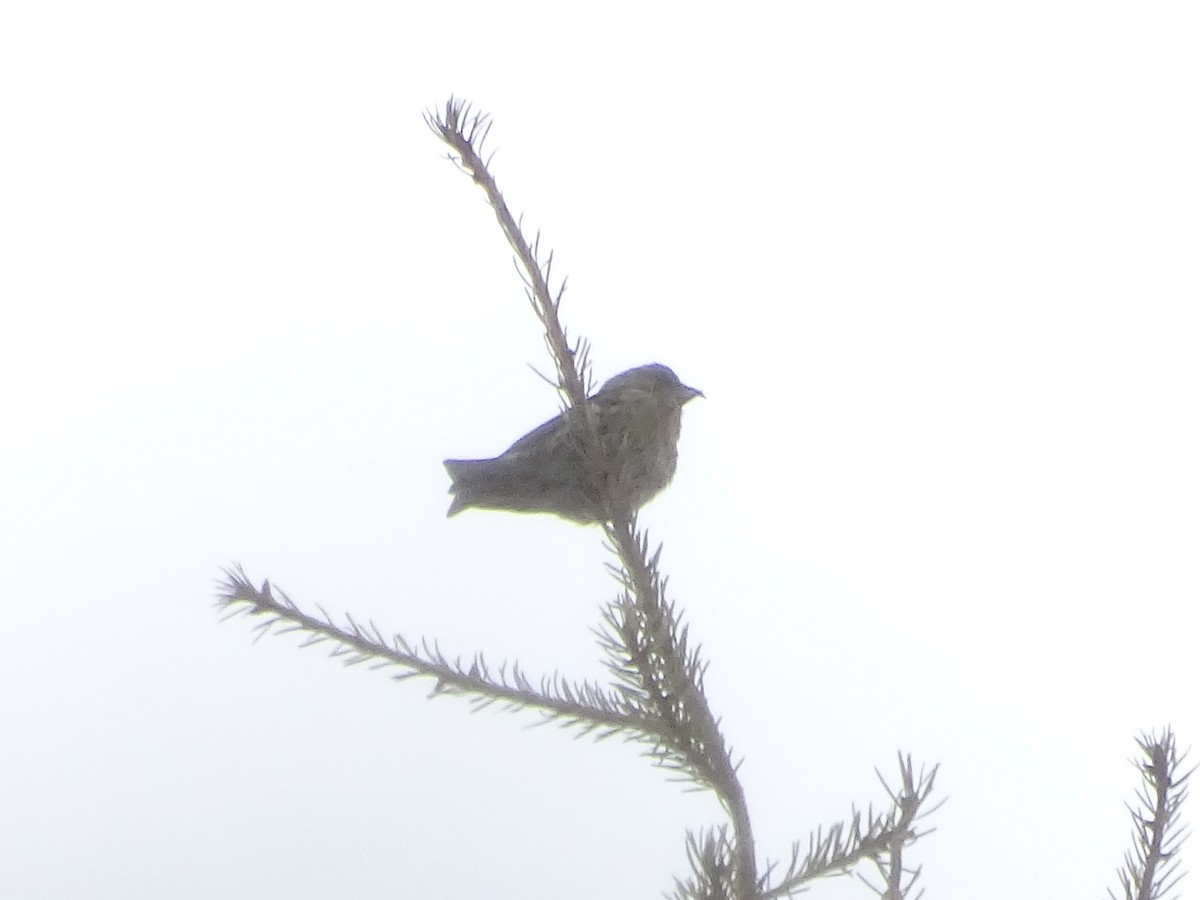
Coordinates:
<point>1152,866</point>
<point>880,838</point>
<point>584,705</point>
<point>466,132</point>
<point>648,647</point>
<point>658,694</point>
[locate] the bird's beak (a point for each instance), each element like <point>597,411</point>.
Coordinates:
<point>690,393</point>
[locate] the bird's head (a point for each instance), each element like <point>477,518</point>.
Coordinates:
<point>654,380</point>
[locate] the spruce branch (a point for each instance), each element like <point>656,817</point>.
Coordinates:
<point>1152,867</point>
<point>648,651</point>
<point>647,647</point>
<point>465,131</point>
<point>878,837</point>
<point>711,857</point>
<point>583,705</point>
<point>657,697</point>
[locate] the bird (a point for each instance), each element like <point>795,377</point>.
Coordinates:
<point>637,415</point>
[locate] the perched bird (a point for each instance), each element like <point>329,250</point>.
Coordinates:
<point>637,415</point>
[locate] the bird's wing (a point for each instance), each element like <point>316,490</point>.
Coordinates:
<point>542,439</point>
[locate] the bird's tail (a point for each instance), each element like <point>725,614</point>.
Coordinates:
<point>471,480</point>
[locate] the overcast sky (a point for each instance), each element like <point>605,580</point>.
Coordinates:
<point>934,266</point>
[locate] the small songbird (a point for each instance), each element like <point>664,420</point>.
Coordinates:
<point>637,415</point>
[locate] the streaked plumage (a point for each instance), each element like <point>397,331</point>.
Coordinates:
<point>638,415</point>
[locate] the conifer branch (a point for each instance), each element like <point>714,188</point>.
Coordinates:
<point>877,837</point>
<point>465,132</point>
<point>584,705</point>
<point>648,651</point>
<point>1152,867</point>
<point>658,694</point>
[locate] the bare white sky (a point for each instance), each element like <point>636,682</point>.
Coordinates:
<point>933,264</point>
